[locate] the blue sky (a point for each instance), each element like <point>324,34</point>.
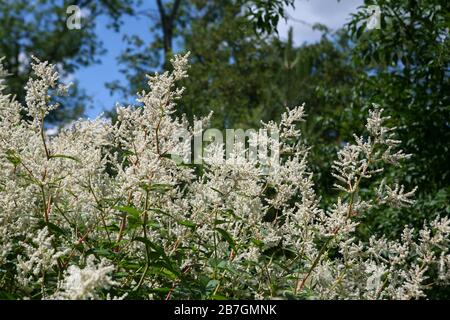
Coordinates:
<point>92,79</point>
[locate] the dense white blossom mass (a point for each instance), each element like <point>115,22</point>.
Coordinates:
<point>102,210</point>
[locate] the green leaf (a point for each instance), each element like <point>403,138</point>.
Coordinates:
<point>157,248</point>
<point>228,238</point>
<point>55,229</point>
<point>12,157</point>
<point>257,242</point>
<point>157,210</point>
<point>360,31</point>
<point>134,215</point>
<point>220,192</point>
<point>127,153</point>
<point>212,284</point>
<point>104,252</point>
<point>110,227</point>
<point>130,210</point>
<point>157,187</point>
<point>169,274</point>
<point>63,156</point>
<point>158,252</point>
<point>163,290</point>
<point>219,221</point>
<point>187,223</point>
<point>218,297</point>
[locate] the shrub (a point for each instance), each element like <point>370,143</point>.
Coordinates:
<point>103,210</point>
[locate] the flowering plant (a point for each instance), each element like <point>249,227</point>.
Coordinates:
<point>103,210</point>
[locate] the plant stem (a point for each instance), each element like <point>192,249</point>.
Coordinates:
<point>47,153</point>
<point>147,255</point>
<point>300,286</point>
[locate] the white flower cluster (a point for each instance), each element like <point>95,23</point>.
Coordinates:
<point>38,98</point>
<point>103,210</point>
<point>83,284</point>
<point>40,256</point>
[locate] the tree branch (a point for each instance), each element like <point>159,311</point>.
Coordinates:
<point>161,10</point>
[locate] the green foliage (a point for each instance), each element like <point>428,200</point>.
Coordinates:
<point>407,63</point>
<point>39,28</point>
<point>265,14</point>
<point>406,68</point>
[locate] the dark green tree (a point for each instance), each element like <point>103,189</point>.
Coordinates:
<point>231,63</point>
<point>406,63</point>
<point>39,28</point>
